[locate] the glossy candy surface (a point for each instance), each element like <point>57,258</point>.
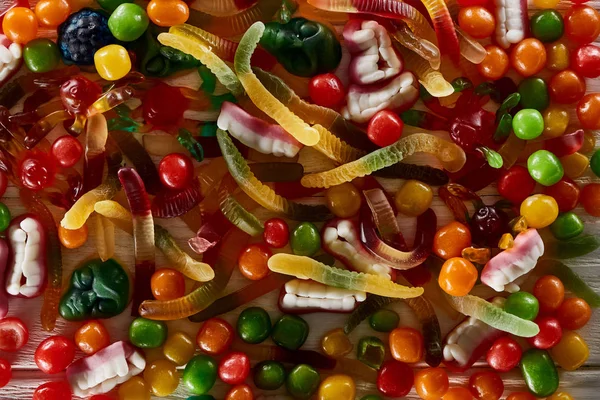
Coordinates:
<point>20,25</point>
<point>539,372</point>
<point>590,199</point>
<point>528,57</point>
<point>134,389</point>
<point>574,313</point>
<point>582,24</point>
<point>54,354</point>
<point>5,372</point>
<point>112,62</point>
<point>59,390</point>
<point>516,184</point>
<point>534,94</point>
<point>556,121</point>
<point>567,87</point>
<point>522,304</point>
<point>395,379</point>
<point>162,377</point>
<point>371,351</point>
<point>384,320</point>
<point>92,337</point>
<point>167,284</point>
<point>200,374</point>
<point>290,332</point>
<point>586,61</point>
<point>276,233</point>
<point>406,345</point>
<point>385,128</point>
<point>128,22</point>
<point>449,240</point>
<point>168,13</point>
<point>539,210</point>
<point>305,239</point>
<point>179,348</point>
<point>571,352</point>
<point>476,21</point>
<point>528,124</point>
<point>431,383</point>
<point>253,262</point>
<point>495,64</point>
<point>326,90</point>
<point>486,386</point>
<point>504,355</point>
<point>565,192</point>
<point>269,375</point>
<point>254,325</point>
<point>41,55</point>
<point>145,333</point>
<point>558,56</point>
<point>335,343</point>
<point>588,111</point>
<point>549,335</point>
<point>302,381</point>
<point>234,368</point>
<point>337,387</point>
<point>343,200</point>
<point>547,25</point>
<point>550,292</point>
<point>458,276</point>
<point>215,336</point>
<point>413,198</point>
<point>567,226</point>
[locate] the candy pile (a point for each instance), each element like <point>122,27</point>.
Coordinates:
<point>282,134</point>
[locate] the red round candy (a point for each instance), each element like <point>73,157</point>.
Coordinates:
<point>3,183</point>
<point>164,106</point>
<point>276,233</point>
<point>586,61</point>
<point>53,391</point>
<point>516,184</point>
<point>37,171</point>
<point>590,199</point>
<point>574,313</point>
<point>486,385</point>
<point>326,90</point>
<point>549,335</point>
<point>176,171</point>
<point>54,354</point>
<point>234,368</point>
<point>100,397</point>
<point>385,128</point>
<point>78,93</point>
<point>395,379</point>
<point>13,334</point>
<point>67,150</point>
<point>5,372</point>
<point>504,354</point>
<point>566,193</point>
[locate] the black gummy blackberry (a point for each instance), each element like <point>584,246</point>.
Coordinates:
<point>82,34</point>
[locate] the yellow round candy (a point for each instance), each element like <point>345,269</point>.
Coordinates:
<point>336,344</point>
<point>112,62</point>
<point>337,387</point>
<point>560,396</point>
<point>162,376</point>
<point>546,3</point>
<point>539,210</point>
<point>343,200</point>
<point>413,198</point>
<point>134,389</point>
<point>558,56</point>
<point>571,352</point>
<point>575,165</point>
<point>556,120</point>
<point>179,348</point>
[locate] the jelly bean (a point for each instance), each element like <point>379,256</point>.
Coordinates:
<point>556,121</point>
<point>167,284</point>
<point>290,332</point>
<point>67,150</point>
<point>234,368</point>
<point>457,393</point>
<point>567,226</point>
<point>385,128</point>
<point>495,64</point>
<point>145,333</point>
<point>253,261</point>
<point>111,5</point>
<point>254,325</point>
<point>528,124</point>
<point>343,200</point>
<point>269,375</point>
<point>128,22</point>
<point>550,292</point>
<point>112,62</point>
<point>413,198</point>
<point>4,217</point>
<point>523,305</point>
<point>41,55</point>
<point>534,94</point>
<point>431,383</point>
<point>60,390</point>
<point>547,25</point>
<point>371,351</point>
<point>134,389</point>
<point>458,276</point>
<point>486,385</point>
<point>582,24</point>
<point>384,320</point>
<point>305,240</point>
<point>52,13</point>
<point>574,165</point>
<point>586,61</point>
<point>451,239</point>
<point>336,344</point>
<point>545,168</point>
<point>539,372</point>
<point>276,233</point>
<point>521,396</point>
<point>406,345</point>
<point>528,57</point>
<point>566,87</point>
<point>395,379</point>
<point>215,336</point>
<point>590,199</point>
<point>5,372</point>
<point>337,387</point>
<point>162,377</point>
<point>168,12</point>
<point>516,184</point>
<point>566,193</point>
<point>92,337</point>
<point>560,396</point>
<point>302,381</point>
<point>176,170</point>
<point>571,352</point>
<point>179,348</point>
<point>504,354</point>
<point>326,90</point>
<point>20,25</point>
<point>240,392</point>
<point>549,335</point>
<point>477,21</point>
<point>200,374</point>
<point>54,354</point>
<point>539,210</point>
<point>574,313</point>
<point>559,57</point>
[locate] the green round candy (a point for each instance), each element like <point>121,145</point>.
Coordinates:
<point>595,163</point>
<point>547,26</point>
<point>534,94</point>
<point>384,320</point>
<point>567,226</point>
<point>302,381</point>
<point>128,22</point>
<point>41,55</point>
<point>528,124</point>
<point>290,332</point>
<point>269,375</point>
<point>371,351</point>
<point>305,240</point>
<point>200,374</point>
<point>545,168</point>
<point>111,5</point>
<point>254,325</point>
<point>539,372</point>
<point>4,217</point>
<point>147,334</point>
<point>523,305</point>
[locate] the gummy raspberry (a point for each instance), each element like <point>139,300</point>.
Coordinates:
<point>82,34</point>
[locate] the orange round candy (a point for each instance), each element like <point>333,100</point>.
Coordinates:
<point>550,292</point>
<point>73,238</point>
<point>253,262</point>
<point>458,276</point>
<point>20,25</point>
<point>457,393</point>
<point>573,313</point>
<point>92,337</point>
<point>406,344</point>
<point>240,392</point>
<point>590,199</point>
<point>588,111</point>
<point>167,284</point>
<point>495,64</point>
<point>582,24</point>
<point>477,21</point>
<point>52,13</point>
<point>528,57</point>
<point>450,240</point>
<point>168,12</point>
<point>566,87</point>
<point>431,383</point>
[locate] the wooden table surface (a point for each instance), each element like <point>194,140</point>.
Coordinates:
<point>583,384</point>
